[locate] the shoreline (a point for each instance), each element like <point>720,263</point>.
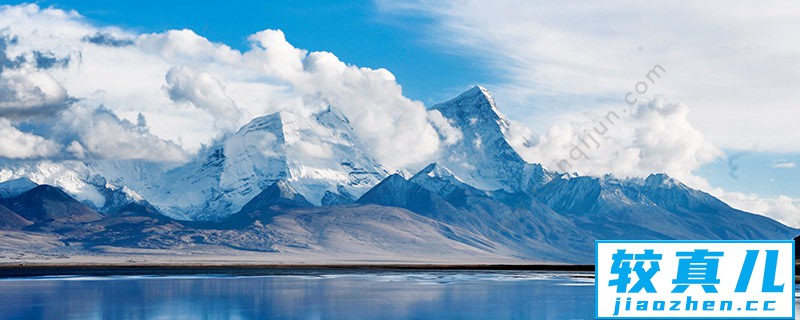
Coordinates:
<point>38,270</point>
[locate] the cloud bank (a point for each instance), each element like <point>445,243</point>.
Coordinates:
<point>18,144</point>
<point>97,83</point>
<point>653,136</point>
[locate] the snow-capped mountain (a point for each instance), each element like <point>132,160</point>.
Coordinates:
<point>438,179</point>
<point>49,209</point>
<point>658,207</point>
<point>104,185</point>
<point>483,158</point>
<point>524,224</point>
<point>286,182</point>
<point>317,155</point>
<point>278,196</point>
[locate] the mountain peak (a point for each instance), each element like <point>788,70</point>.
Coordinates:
<point>394,179</point>
<point>475,102</point>
<point>441,181</point>
<point>332,117</point>
<point>483,158</point>
<point>48,191</point>
<point>434,170</point>
<point>435,177</point>
<point>282,189</point>
<point>662,180</point>
<point>13,188</point>
<point>272,122</point>
<point>315,153</point>
<point>479,90</point>
<point>47,203</point>
<point>279,195</point>
<point>396,191</point>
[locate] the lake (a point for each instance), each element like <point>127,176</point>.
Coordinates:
<point>304,295</point>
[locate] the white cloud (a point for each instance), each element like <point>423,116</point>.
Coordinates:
<point>653,136</point>
<point>786,210</point>
<point>156,74</point>
<point>188,84</point>
<point>18,144</point>
<point>783,208</point>
<point>734,64</point>
<point>101,134</point>
<point>76,149</point>
<point>444,127</point>
<point>784,165</point>
<point>25,91</point>
<point>29,93</point>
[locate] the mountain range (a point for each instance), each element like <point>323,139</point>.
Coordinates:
<point>287,183</point>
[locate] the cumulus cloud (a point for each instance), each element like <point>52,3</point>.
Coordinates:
<point>76,150</point>
<point>786,210</point>
<point>26,91</point>
<point>21,145</point>
<point>99,133</point>
<point>191,89</point>
<point>444,127</point>
<point>29,93</point>
<point>394,129</point>
<point>782,208</point>
<point>654,136</point>
<point>188,84</point>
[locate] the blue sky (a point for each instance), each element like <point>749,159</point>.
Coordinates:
<point>765,173</point>
<point>553,68</point>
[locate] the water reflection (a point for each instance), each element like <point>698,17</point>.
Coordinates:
<point>420,295</point>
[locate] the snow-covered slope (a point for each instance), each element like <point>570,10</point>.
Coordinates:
<point>104,185</point>
<point>657,207</point>
<point>316,155</point>
<point>440,180</point>
<point>13,188</point>
<point>71,176</point>
<point>483,158</point>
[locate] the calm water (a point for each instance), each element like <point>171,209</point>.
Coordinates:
<point>378,295</point>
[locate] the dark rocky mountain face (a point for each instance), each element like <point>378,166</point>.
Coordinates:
<point>273,200</point>
<point>49,208</point>
<point>9,220</point>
